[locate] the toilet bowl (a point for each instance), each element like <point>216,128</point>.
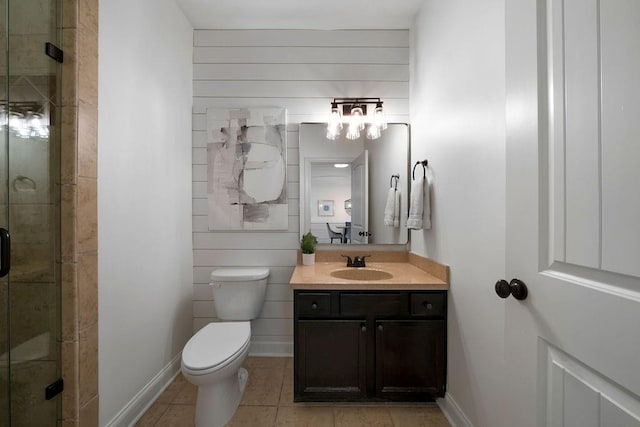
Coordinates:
<point>212,359</point>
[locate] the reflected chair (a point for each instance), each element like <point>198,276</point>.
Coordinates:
<point>334,234</point>
<point>347,232</point>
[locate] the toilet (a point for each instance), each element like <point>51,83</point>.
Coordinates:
<point>213,357</point>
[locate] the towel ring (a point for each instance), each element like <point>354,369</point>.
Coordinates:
<point>391,183</point>
<point>424,164</point>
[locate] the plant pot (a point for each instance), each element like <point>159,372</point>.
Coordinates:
<point>308,259</point>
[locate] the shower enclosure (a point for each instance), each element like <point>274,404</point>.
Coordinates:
<point>29,213</point>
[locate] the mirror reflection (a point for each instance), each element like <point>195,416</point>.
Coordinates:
<point>345,186</point>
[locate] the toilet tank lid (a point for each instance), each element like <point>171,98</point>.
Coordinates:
<point>238,274</point>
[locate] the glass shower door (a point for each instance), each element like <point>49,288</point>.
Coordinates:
<point>29,210</point>
<point>4,218</point>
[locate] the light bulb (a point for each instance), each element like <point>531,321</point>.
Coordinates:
<point>24,131</point>
<point>15,122</point>
<point>357,117</point>
<point>373,131</point>
<point>354,131</point>
<point>336,117</point>
<point>334,126</point>
<point>332,131</point>
<point>35,122</point>
<point>379,119</point>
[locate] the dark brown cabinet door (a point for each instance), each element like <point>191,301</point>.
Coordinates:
<point>331,360</point>
<point>410,359</point>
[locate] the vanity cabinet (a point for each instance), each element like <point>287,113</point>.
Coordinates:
<point>369,345</point>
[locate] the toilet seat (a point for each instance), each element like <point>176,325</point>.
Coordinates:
<point>215,346</point>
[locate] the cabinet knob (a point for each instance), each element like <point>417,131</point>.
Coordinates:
<point>427,305</point>
<point>314,305</point>
<point>380,328</point>
<point>363,328</point>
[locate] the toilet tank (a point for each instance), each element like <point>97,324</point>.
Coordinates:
<point>238,293</point>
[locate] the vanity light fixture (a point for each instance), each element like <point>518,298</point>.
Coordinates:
<point>354,113</point>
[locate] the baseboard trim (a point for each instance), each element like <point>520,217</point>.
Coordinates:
<point>452,411</point>
<point>137,406</point>
<point>271,348</point>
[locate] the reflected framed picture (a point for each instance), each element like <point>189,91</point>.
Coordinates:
<point>325,208</point>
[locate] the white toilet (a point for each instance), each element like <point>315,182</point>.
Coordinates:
<point>213,357</point>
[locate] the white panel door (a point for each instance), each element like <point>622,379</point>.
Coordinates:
<point>360,198</point>
<point>573,213</point>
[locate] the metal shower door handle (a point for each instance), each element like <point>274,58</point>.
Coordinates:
<point>5,252</point>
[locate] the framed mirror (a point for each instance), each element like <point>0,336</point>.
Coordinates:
<point>344,185</point>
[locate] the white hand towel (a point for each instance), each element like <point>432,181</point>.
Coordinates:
<point>389,208</point>
<point>426,214</point>
<point>419,207</point>
<point>396,210</point>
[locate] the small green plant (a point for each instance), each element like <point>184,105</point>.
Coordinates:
<point>308,243</point>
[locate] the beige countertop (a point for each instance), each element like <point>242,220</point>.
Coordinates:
<point>406,276</point>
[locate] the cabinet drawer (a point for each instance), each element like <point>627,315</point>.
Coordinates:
<point>364,304</point>
<point>313,304</point>
<point>427,304</point>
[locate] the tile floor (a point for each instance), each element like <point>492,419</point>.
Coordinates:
<point>268,401</point>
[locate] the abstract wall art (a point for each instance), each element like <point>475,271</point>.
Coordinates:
<point>246,169</point>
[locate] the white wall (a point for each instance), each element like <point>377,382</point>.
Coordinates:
<point>144,197</point>
<point>458,124</point>
<point>302,71</point>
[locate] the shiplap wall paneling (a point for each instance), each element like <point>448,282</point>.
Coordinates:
<point>301,71</point>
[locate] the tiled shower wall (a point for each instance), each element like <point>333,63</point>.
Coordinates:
<point>300,70</point>
<point>79,212</point>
